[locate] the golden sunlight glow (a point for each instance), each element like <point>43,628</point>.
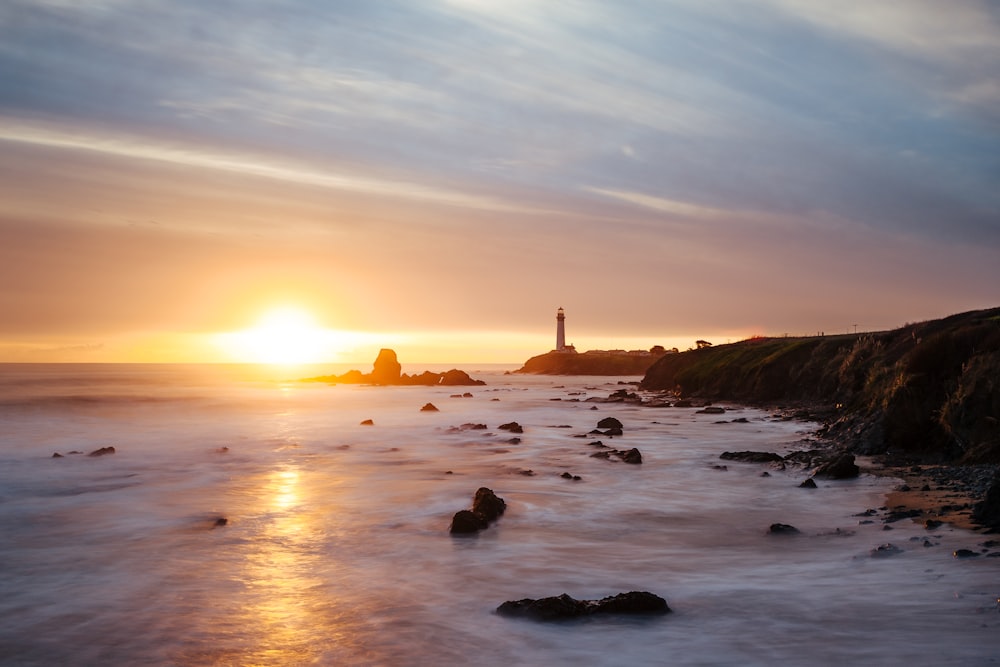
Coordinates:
<point>286,335</point>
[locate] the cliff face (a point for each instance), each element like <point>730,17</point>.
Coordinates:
<point>560,363</point>
<point>930,389</point>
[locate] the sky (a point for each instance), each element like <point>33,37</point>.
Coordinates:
<point>439,176</point>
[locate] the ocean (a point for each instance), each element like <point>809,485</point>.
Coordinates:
<point>335,547</point>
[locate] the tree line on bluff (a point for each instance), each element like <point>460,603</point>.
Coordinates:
<point>929,390</point>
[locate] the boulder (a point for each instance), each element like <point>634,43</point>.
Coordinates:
<point>563,607</point>
<point>455,377</point>
<point>885,550</point>
<point>841,467</point>
<point>466,521</point>
<point>751,457</point>
<point>368,422</point>
<point>387,368</point>
<point>987,511</point>
<point>631,456</point>
<point>513,427</point>
<point>429,407</point>
<point>711,410</point>
<point>609,422</point>
<point>782,529</point>
<point>808,484</point>
<point>488,504</point>
<point>103,451</point>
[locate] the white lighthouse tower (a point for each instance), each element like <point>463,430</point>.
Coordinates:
<point>560,330</point>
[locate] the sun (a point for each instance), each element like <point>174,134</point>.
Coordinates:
<point>285,335</point>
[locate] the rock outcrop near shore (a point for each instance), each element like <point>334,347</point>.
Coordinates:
<point>929,391</point>
<point>387,371</point>
<point>563,607</point>
<point>562,363</point>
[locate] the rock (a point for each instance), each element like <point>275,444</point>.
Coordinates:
<point>466,521</point>
<point>767,474</point>
<point>683,403</point>
<point>57,455</point>
<point>808,484</point>
<point>103,451</point>
<point>612,432</point>
<point>751,457</point>
<point>513,427</point>
<point>609,422</point>
<point>562,607</point>
<point>455,377</point>
<point>488,504</point>
<point>220,522</point>
<point>885,550</point>
<point>964,553</point>
<point>931,524</point>
<point>711,410</point>
<point>631,456</point>
<point>429,407</point>
<point>842,467</point>
<point>741,420</point>
<point>782,529</point>
<point>987,511</point>
<point>368,422</point>
<point>387,368</point>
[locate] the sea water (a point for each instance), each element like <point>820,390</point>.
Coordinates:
<point>336,551</point>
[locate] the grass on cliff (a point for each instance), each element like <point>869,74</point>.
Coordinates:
<point>931,388</point>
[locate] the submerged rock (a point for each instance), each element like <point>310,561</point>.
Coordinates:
<point>751,457</point>
<point>563,607</point>
<point>782,529</point>
<point>885,550</point>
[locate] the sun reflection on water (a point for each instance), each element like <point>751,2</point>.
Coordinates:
<point>283,607</point>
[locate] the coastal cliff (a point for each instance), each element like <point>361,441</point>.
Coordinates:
<point>562,363</point>
<point>930,391</point>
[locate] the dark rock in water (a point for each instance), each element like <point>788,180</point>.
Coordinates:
<point>221,521</point>
<point>57,455</point>
<point>782,529</point>
<point>514,441</point>
<point>429,407</point>
<point>631,456</point>
<point>103,451</point>
<point>612,432</point>
<point>711,410</point>
<point>466,521</point>
<point>767,474</point>
<point>885,550</point>
<point>751,457</point>
<point>987,511</point>
<point>526,473</point>
<point>455,377</point>
<point>964,553</point>
<point>368,422</point>
<point>741,420</point>
<point>387,368</point>
<point>683,403</point>
<point>563,607</point>
<point>513,427</point>
<point>488,504</point>
<point>842,467</point>
<point>601,455</point>
<point>609,422</point>
<point>931,524</point>
<point>808,484</point>
<point>567,475</point>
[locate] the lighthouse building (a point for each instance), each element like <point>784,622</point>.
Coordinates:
<point>561,345</point>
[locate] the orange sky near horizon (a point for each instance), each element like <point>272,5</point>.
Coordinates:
<point>439,179</point>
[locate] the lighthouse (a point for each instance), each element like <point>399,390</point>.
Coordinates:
<point>560,330</point>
